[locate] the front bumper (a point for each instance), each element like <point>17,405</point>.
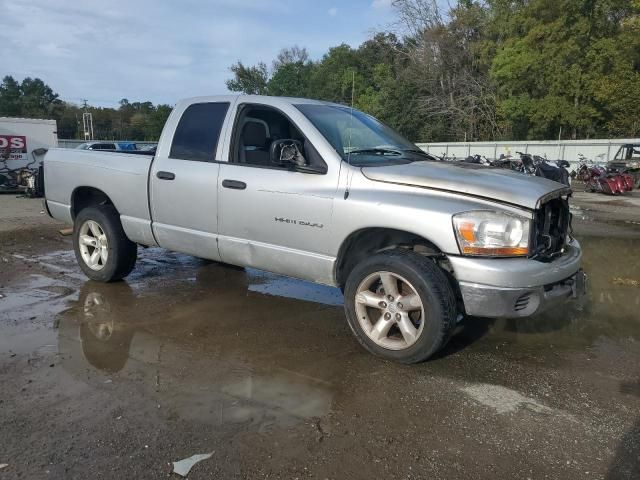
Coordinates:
<point>488,301</point>
<point>512,287</point>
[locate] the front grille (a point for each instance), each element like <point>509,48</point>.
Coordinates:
<point>551,226</point>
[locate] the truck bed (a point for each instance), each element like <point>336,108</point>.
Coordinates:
<point>123,177</point>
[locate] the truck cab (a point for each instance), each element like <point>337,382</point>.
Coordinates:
<point>627,160</point>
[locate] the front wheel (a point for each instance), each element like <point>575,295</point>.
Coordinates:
<point>102,249</point>
<point>400,306</point>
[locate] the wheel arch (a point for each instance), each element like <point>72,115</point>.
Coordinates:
<point>367,241</point>
<point>85,196</point>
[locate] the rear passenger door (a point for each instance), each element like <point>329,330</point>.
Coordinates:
<point>184,176</point>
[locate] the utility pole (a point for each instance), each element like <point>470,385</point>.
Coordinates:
<point>87,121</point>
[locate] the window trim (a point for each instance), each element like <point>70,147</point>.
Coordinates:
<point>234,138</point>
<point>215,146</point>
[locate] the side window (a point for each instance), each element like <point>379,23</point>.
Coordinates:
<point>198,131</point>
<point>257,127</point>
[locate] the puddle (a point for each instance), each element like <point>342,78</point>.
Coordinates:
<point>204,342</point>
<point>270,284</point>
<point>191,356</point>
<point>605,324</point>
<point>221,345</point>
<point>209,358</point>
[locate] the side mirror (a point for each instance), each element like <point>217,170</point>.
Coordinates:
<point>287,152</point>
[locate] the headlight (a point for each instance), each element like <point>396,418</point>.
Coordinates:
<point>492,233</point>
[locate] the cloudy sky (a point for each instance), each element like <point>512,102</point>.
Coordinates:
<point>162,50</point>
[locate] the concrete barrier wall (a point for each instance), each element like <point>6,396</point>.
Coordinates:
<point>599,151</point>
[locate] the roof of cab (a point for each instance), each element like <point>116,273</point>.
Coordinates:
<point>257,98</point>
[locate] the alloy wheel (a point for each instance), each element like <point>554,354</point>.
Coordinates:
<point>94,246</point>
<point>389,310</point>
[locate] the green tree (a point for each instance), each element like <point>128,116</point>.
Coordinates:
<point>10,97</point>
<point>481,70</point>
<point>291,80</point>
<point>250,80</point>
<point>332,77</point>
<point>156,121</point>
<point>291,73</point>
<point>37,98</point>
<point>561,65</point>
<point>131,121</point>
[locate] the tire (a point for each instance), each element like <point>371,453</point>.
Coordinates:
<point>116,253</point>
<point>413,274</point>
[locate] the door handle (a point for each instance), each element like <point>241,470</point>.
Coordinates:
<point>235,184</point>
<point>166,175</point>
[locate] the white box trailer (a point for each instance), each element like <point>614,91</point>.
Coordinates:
<point>23,142</point>
<point>19,137</point>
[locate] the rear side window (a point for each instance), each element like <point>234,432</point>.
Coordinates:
<point>198,131</point>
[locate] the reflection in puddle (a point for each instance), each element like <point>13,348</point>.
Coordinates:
<point>609,310</point>
<point>214,356</point>
<point>608,315</point>
<point>272,284</point>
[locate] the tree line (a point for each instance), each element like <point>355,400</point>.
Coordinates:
<point>479,70</point>
<point>32,98</point>
<point>490,70</point>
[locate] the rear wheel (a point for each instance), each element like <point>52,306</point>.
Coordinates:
<point>102,249</point>
<point>400,306</point>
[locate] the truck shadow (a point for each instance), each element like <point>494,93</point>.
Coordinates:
<point>468,332</point>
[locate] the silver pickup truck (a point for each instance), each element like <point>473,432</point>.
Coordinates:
<point>326,193</point>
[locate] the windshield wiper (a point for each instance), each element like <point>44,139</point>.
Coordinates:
<point>420,152</point>
<point>376,151</point>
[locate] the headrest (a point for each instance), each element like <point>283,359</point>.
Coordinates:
<point>254,134</point>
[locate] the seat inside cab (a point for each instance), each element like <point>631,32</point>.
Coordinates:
<point>260,126</point>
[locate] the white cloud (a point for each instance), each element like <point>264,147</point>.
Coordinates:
<point>380,4</point>
<point>333,11</point>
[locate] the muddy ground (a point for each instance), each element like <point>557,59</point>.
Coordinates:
<point>187,356</point>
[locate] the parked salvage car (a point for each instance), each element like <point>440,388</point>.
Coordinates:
<point>627,160</point>
<point>326,193</point>
<point>119,146</point>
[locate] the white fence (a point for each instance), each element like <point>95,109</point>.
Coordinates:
<point>599,151</point>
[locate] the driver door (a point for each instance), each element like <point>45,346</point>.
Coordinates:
<point>271,217</point>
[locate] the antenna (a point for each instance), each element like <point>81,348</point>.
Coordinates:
<point>353,88</point>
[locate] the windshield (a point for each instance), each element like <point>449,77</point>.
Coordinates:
<point>359,137</point>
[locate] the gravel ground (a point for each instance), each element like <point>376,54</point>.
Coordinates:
<point>188,357</point>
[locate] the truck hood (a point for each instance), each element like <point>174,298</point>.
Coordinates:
<point>470,179</point>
